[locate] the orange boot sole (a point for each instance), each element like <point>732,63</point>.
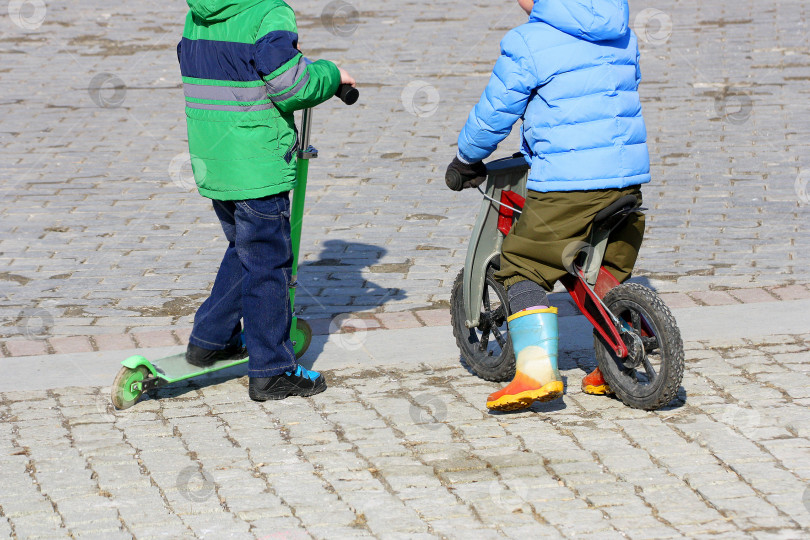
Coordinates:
<point>595,385</point>
<point>524,400</point>
<point>601,390</point>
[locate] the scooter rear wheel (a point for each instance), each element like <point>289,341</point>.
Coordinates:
<point>125,391</point>
<point>486,348</point>
<point>301,337</point>
<point>650,376</point>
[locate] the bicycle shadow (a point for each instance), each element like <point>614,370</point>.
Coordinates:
<point>576,353</point>
<point>643,280</point>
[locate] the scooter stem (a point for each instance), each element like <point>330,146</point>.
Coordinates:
<point>306,126</point>
<point>305,153</point>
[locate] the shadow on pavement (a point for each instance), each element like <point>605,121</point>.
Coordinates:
<point>576,352</point>
<point>338,270</point>
<point>181,388</point>
<point>643,280</point>
<point>338,274</point>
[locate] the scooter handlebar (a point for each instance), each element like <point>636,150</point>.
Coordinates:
<point>348,94</point>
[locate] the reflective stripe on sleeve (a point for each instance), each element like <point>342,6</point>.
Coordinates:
<point>286,79</point>
<point>292,91</point>
<point>224,93</point>
<point>232,108</point>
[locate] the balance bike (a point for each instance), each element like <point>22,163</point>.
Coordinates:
<point>138,375</point>
<point>637,343</point>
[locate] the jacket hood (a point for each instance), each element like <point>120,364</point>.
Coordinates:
<point>219,10</point>
<point>593,20</point>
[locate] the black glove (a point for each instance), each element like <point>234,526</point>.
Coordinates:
<point>461,176</point>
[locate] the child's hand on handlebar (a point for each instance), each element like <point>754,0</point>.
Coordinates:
<point>345,78</point>
<point>461,175</point>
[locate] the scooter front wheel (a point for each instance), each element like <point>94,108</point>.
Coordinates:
<point>486,348</point>
<point>650,375</point>
<point>127,386</point>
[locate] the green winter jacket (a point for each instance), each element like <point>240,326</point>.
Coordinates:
<point>243,77</point>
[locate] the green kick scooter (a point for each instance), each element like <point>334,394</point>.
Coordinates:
<point>138,375</point>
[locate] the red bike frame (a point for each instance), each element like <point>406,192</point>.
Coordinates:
<point>587,298</point>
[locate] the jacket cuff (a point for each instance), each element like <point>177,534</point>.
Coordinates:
<point>464,159</point>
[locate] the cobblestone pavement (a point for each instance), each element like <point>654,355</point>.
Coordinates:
<point>412,453</point>
<point>103,238</point>
<point>101,231</point>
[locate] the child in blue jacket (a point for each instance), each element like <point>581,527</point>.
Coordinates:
<point>571,74</point>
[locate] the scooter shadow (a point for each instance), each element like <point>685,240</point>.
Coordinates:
<point>340,265</point>
<point>181,388</point>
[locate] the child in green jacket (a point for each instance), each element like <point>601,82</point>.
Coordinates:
<point>243,77</point>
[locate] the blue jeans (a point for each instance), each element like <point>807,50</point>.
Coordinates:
<point>252,284</point>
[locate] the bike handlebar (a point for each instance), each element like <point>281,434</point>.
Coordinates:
<point>454,180</point>
<point>348,94</point>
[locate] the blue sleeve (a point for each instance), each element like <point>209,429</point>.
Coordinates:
<point>503,102</point>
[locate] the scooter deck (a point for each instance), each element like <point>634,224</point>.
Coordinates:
<point>175,368</point>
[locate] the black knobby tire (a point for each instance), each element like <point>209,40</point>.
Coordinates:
<point>655,380</point>
<point>496,361</point>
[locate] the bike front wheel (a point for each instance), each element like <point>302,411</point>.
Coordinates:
<point>486,348</point>
<point>651,374</point>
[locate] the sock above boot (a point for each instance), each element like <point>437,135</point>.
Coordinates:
<point>526,294</point>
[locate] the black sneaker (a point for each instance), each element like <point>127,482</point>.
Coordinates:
<point>302,382</point>
<point>205,358</point>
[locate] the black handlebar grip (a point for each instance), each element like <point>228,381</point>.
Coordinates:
<point>347,94</point>
<point>454,180</point>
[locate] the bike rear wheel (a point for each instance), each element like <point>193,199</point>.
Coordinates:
<point>486,348</point>
<point>651,374</point>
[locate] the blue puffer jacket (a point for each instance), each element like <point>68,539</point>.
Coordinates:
<point>572,74</point>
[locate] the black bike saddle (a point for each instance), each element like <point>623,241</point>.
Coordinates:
<point>614,213</point>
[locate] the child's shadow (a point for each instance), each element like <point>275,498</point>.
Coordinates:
<point>334,284</point>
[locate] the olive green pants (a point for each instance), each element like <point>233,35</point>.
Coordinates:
<point>551,226</point>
